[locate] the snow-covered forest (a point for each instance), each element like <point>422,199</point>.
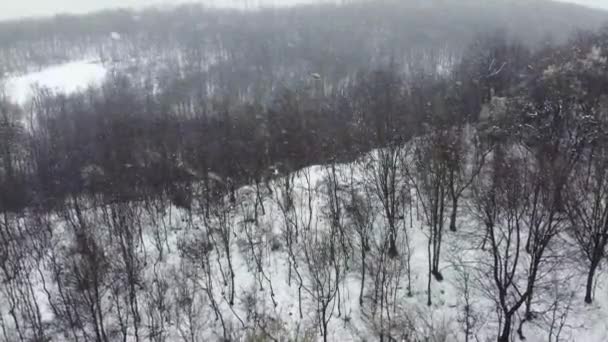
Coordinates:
<point>361,171</point>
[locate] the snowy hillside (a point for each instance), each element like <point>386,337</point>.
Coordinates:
<point>260,267</point>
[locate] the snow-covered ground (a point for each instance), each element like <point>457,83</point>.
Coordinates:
<point>351,322</point>
<point>64,78</point>
<point>173,255</point>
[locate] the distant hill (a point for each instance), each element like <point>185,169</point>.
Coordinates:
<point>355,33</point>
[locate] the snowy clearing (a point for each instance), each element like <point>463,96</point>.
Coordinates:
<point>65,78</point>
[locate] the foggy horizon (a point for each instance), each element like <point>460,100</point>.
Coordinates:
<point>33,8</point>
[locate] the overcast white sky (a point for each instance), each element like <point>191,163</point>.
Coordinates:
<point>23,8</point>
<point>591,3</point>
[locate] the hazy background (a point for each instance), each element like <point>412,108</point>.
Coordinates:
<point>27,8</point>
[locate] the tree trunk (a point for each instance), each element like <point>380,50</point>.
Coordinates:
<point>531,283</point>
<point>324,323</point>
<point>392,250</point>
<point>428,302</point>
<point>454,213</point>
<point>506,330</point>
<point>362,274</point>
<point>589,287</point>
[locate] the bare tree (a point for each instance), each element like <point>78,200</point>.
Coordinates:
<point>295,220</point>
<point>428,173</point>
<point>383,171</point>
<point>543,221</point>
<point>85,274</point>
<point>498,207</point>
<point>197,253</point>
<point>189,301</point>
<point>335,212</point>
<point>469,317</point>
<point>465,159</point>
<point>362,214</point>
<point>258,237</point>
<point>123,222</point>
<point>325,274</point>
<point>587,208</point>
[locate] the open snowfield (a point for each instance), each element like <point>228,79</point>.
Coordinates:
<point>63,78</point>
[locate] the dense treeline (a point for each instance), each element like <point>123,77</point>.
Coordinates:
<point>272,43</point>
<point>131,137</point>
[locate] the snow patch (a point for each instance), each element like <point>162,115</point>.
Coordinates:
<point>66,78</point>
